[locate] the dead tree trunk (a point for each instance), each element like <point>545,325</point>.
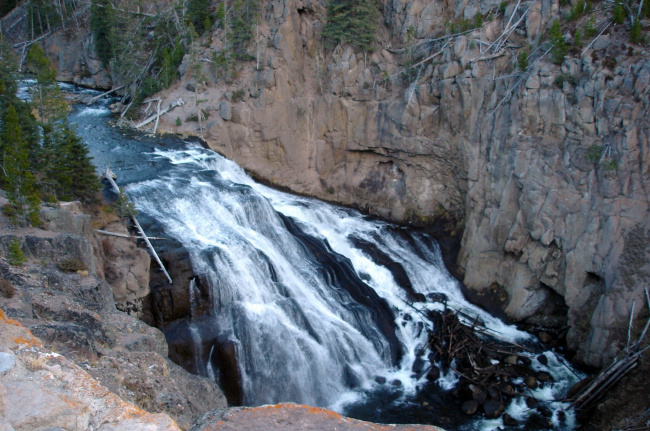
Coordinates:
<point>109,176</point>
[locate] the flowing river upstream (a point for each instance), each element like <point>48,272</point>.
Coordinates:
<point>302,288</point>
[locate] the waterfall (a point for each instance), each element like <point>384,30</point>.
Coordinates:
<point>319,304</point>
<point>298,284</point>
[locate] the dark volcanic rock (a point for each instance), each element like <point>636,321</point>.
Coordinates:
<point>434,373</point>
<point>470,407</point>
<point>493,408</point>
<point>509,420</point>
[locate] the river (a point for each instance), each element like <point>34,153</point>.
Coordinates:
<point>301,288</point>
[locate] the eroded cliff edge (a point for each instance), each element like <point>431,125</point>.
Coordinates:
<point>544,172</point>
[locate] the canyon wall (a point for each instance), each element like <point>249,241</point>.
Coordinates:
<point>543,173</point>
<point>548,181</point>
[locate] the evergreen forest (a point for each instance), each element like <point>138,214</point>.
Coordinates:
<point>41,156</point>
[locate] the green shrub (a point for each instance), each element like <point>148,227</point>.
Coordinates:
<point>619,13</point>
<point>610,165</point>
<point>565,77</point>
<point>593,153</point>
<point>72,265</point>
<point>577,38</point>
<point>7,289</point>
<point>16,255</point>
<point>238,95</point>
<point>635,32</point>
<point>522,61</point>
<point>195,118</point>
<point>590,28</point>
<point>124,207</point>
<point>577,10</point>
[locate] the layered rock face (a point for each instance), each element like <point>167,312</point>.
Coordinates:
<point>548,176</point>
<point>545,171</point>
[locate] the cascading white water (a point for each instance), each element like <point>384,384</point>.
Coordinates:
<point>299,335</point>
<point>300,288</point>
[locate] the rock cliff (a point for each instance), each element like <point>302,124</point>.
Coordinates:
<point>542,172</point>
<point>110,368</point>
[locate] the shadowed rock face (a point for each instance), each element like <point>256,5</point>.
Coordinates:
<point>289,417</point>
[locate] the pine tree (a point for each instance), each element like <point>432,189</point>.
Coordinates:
<point>41,17</point>
<point>46,93</point>
<point>560,49</point>
<point>16,255</point>
<point>197,13</point>
<point>353,22</point>
<point>21,190</point>
<point>8,90</point>
<point>69,172</point>
<point>124,207</point>
<point>241,25</point>
<point>101,19</point>
<point>8,74</point>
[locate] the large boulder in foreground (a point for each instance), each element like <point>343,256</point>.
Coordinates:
<point>290,417</point>
<point>44,390</point>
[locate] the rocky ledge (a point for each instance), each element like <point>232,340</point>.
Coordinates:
<point>67,299</point>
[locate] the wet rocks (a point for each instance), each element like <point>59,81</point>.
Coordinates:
<point>433,374</point>
<point>493,408</point>
<point>470,407</point>
<point>543,376</point>
<point>530,382</point>
<point>509,420</point>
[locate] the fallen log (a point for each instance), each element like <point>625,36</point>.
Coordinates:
<point>590,395</point>
<point>109,176</point>
<point>157,115</point>
<point>93,99</point>
<point>121,235</point>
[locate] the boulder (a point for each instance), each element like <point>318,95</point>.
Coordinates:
<point>48,391</point>
<point>470,407</point>
<point>289,417</point>
<point>493,408</point>
<point>225,111</point>
<point>530,382</point>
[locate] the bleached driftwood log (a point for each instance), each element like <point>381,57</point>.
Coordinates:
<point>109,176</point>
